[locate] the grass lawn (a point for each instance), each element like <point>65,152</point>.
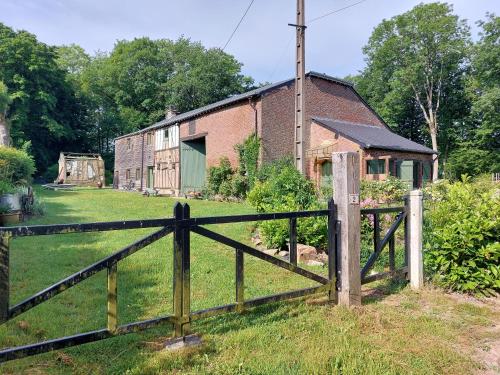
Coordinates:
<point>396,330</point>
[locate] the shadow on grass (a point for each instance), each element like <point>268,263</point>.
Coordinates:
<point>377,291</point>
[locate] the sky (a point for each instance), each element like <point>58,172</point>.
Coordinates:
<point>263,42</point>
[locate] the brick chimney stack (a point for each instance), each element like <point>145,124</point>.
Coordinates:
<point>170,112</point>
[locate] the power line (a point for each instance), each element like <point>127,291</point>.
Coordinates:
<point>238,25</point>
<point>282,55</point>
<point>335,11</point>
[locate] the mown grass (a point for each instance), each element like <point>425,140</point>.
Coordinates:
<point>396,331</point>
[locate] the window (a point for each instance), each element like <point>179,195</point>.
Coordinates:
<point>127,174</point>
<point>128,144</point>
<point>167,138</point>
<point>149,139</point>
<point>375,166</point>
<point>427,171</point>
<point>138,174</point>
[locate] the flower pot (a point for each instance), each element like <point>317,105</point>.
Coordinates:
<point>10,218</point>
<point>13,200</point>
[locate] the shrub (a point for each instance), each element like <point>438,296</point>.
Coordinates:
<point>6,187</point>
<point>390,190</point>
<point>17,167</point>
<point>248,153</point>
<point>279,185</point>
<point>285,189</point>
<point>462,234</point>
<point>51,173</point>
<point>217,175</point>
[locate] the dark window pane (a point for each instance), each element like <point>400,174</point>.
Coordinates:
<point>376,166</point>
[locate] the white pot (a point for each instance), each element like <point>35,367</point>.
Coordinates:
<point>12,200</point>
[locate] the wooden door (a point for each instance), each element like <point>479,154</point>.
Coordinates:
<point>193,165</point>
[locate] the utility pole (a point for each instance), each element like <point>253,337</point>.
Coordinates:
<point>300,75</point>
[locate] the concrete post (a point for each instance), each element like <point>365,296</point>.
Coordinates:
<point>346,197</point>
<point>415,219</point>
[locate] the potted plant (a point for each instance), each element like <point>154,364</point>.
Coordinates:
<point>9,196</point>
<point>8,216</point>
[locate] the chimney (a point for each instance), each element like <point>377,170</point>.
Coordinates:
<point>170,112</point>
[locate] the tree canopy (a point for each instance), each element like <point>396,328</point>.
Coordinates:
<point>416,64</point>
<point>66,100</point>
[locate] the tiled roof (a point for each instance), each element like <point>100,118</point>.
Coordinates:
<point>233,99</point>
<point>370,136</point>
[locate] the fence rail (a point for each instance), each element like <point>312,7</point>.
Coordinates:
<point>388,239</point>
<point>181,225</point>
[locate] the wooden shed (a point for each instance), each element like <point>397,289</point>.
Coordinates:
<point>81,169</point>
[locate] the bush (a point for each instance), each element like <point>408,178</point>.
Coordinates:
<point>6,187</point>
<point>471,161</point>
<point>280,184</point>
<point>219,174</point>
<point>462,237</point>
<point>17,166</point>
<point>283,189</point>
<point>390,190</point>
<point>248,153</point>
<point>51,173</point>
<point>311,231</point>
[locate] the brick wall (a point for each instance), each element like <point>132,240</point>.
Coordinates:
<point>228,126</point>
<point>131,158</point>
<point>224,129</point>
<point>324,99</point>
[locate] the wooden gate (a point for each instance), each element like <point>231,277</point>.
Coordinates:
<point>181,225</point>
<point>388,240</point>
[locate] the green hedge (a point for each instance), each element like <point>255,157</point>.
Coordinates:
<point>462,247</point>
<point>17,166</point>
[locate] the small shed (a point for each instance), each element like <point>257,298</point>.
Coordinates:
<point>81,169</point>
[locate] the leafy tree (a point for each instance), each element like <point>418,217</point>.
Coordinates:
<point>5,101</point>
<point>140,78</point>
<point>415,70</point>
<point>44,108</point>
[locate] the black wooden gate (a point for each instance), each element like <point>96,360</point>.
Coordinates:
<point>389,240</point>
<point>181,225</point>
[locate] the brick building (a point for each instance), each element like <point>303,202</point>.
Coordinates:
<point>172,155</point>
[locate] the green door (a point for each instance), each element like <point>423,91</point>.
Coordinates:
<point>405,172</point>
<point>193,165</point>
<point>150,181</point>
<point>326,175</point>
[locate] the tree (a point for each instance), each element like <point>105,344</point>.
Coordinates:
<point>143,76</point>
<point>485,84</point>
<point>5,101</point>
<point>416,63</point>
<point>44,108</point>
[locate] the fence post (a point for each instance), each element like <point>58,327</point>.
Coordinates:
<point>346,196</point>
<point>332,254</point>
<point>186,272</point>
<point>4,276</point>
<point>415,218</point>
<point>112,297</point>
<point>293,240</point>
<point>177,271</point>
<point>240,281</point>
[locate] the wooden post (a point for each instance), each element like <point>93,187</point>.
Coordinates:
<point>293,241</point>
<point>112,297</point>
<point>346,196</point>
<point>186,272</point>
<point>415,218</point>
<point>177,271</point>
<point>4,276</point>
<point>332,254</point>
<point>240,283</point>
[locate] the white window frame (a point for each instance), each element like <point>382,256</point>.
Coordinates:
<point>167,137</point>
